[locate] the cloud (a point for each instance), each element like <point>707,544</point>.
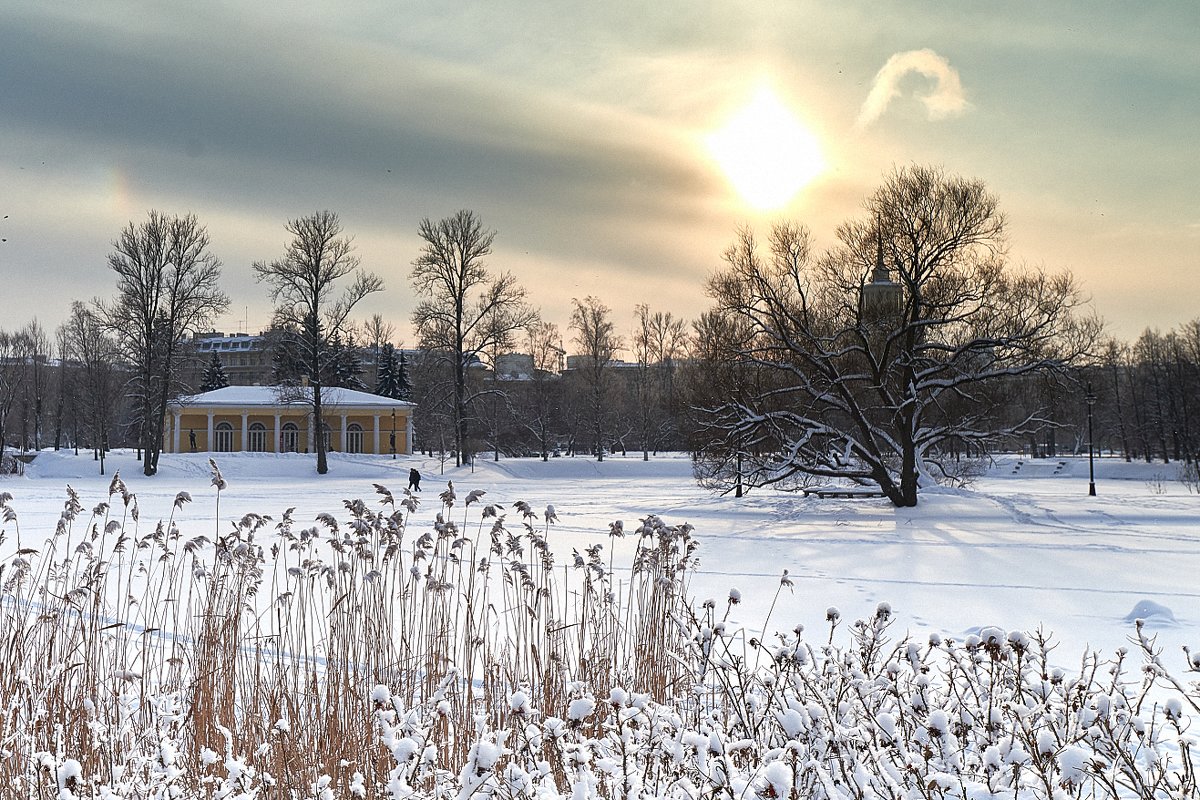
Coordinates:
<point>947,98</point>
<point>104,119</point>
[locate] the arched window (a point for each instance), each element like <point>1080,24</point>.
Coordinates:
<point>223,437</point>
<point>257,440</point>
<point>289,438</point>
<point>354,438</point>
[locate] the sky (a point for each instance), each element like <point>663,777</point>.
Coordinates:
<point>585,135</point>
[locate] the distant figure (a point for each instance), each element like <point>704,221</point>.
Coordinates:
<point>192,439</point>
<point>414,480</point>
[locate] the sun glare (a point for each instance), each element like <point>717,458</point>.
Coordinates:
<point>766,152</point>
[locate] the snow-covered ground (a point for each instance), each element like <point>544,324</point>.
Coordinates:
<point>1023,548</point>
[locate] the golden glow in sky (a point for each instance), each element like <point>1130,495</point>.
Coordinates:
<point>766,152</point>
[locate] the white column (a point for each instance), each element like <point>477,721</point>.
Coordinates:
<point>175,433</point>
<point>312,443</point>
<point>408,434</point>
<point>376,451</point>
<point>208,443</point>
<point>245,431</point>
<point>343,443</point>
<point>278,432</point>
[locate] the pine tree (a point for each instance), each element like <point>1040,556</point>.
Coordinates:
<point>347,367</point>
<point>286,365</point>
<point>386,384</point>
<point>403,386</point>
<point>214,375</point>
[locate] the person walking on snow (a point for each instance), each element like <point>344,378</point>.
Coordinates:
<point>414,480</point>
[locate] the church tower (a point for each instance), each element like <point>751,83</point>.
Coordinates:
<point>881,296</point>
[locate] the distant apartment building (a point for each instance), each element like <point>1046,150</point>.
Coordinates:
<point>514,367</point>
<point>246,357</point>
<point>578,362</point>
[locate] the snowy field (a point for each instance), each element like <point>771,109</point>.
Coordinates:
<point>1023,548</point>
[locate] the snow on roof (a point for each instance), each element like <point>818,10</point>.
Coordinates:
<point>283,396</point>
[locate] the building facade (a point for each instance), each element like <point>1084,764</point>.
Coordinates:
<point>274,419</point>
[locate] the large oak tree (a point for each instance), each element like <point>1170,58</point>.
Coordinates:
<point>900,338</point>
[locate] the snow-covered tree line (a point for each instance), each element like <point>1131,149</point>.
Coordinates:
<point>911,342</point>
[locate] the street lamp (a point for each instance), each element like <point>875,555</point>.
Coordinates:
<point>1091,401</point>
<point>393,434</point>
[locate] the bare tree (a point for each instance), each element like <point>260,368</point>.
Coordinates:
<point>303,288</point>
<point>598,343</point>
<point>1188,354</point>
<point>1113,354</point>
<point>657,341</point>
<point>716,380</point>
<point>64,394</point>
<point>433,426</point>
<point>467,310</point>
<point>37,382</point>
<point>377,332</point>
<point>542,409</point>
<point>1150,351</point>
<point>94,378</point>
<point>166,290</point>
<point>12,376</point>
<point>896,340</point>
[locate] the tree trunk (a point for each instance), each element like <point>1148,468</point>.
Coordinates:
<point>319,428</point>
<point>597,413</point>
<point>59,406</point>
<point>907,494</point>
<point>144,428</point>
<point>460,409</point>
<point>1120,413</point>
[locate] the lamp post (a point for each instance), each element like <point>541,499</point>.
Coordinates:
<point>1091,401</point>
<point>393,434</point>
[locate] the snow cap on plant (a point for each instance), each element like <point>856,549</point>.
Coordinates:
<point>580,709</point>
<point>518,701</point>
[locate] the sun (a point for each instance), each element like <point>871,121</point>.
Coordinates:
<point>767,152</point>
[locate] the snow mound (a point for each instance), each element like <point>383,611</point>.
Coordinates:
<point>1152,613</point>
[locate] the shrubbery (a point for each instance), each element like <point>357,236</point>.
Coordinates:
<point>364,657</point>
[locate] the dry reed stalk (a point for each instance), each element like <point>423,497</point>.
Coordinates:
<point>274,666</point>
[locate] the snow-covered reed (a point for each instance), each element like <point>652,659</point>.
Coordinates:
<point>371,655</point>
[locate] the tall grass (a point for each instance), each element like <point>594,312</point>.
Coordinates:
<point>368,655</point>
<point>267,639</point>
